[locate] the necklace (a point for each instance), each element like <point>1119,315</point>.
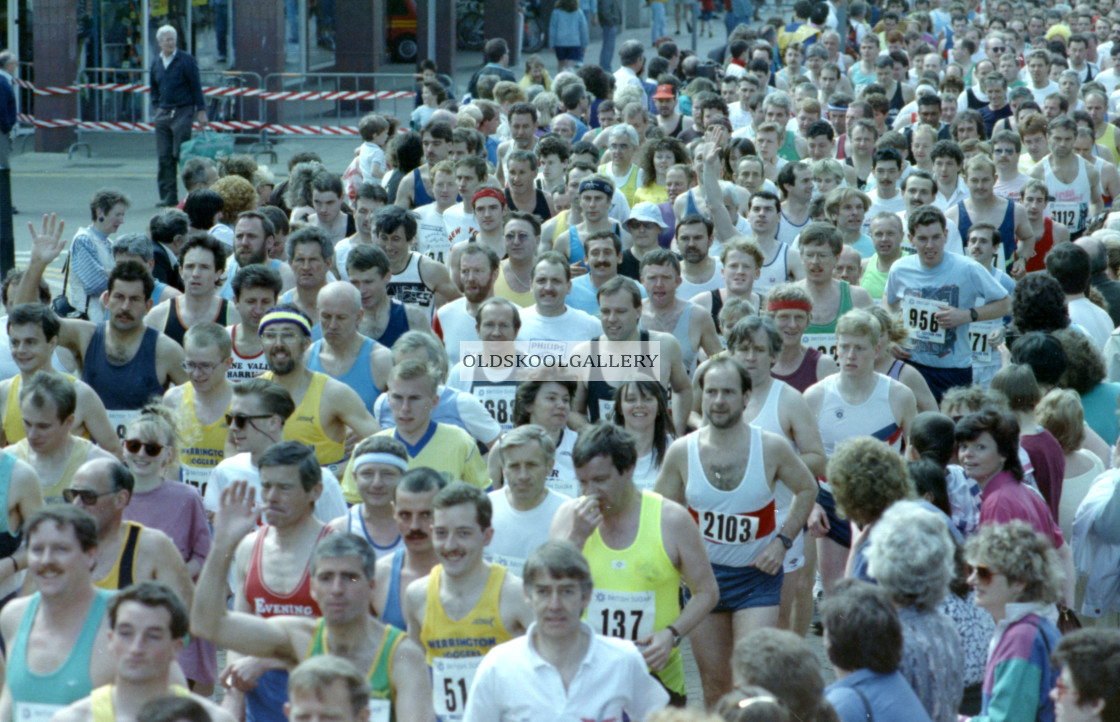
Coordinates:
<point>526,285</point>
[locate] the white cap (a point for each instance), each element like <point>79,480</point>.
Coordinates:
<point>647,212</point>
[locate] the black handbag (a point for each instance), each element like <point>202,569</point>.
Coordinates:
<point>61,304</point>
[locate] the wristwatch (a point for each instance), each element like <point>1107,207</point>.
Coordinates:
<point>972,312</point>
<point>785,540</point>
<point>676,635</point>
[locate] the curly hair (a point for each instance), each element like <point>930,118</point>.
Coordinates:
<point>238,195</point>
<point>785,664</point>
<point>1084,363</point>
<point>866,477</point>
<point>650,148</point>
<point>1003,427</point>
<point>1060,412</point>
<point>911,555</point>
<point>240,164</point>
<point>1039,304</point>
<point>968,399</point>
<point>1022,555</point>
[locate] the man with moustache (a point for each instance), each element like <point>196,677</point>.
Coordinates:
<point>325,408</point>
<point>124,361</point>
<point>254,237</point>
<point>455,321</point>
<point>603,255</point>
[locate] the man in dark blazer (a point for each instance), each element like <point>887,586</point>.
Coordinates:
<point>177,100</point>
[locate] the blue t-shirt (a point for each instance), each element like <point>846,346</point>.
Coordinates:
<point>888,697</point>
<point>957,281</point>
<point>584,295</point>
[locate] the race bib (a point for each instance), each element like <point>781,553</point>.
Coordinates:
<point>717,527</point>
<point>1070,215</point>
<point>380,710</point>
<point>196,476</point>
<point>121,418</point>
<point>35,711</point>
<point>515,564</point>
<point>606,406</point>
<point>921,316</point>
<point>823,342</point>
<point>451,680</point>
<point>498,401</point>
<point>433,242</point>
<point>625,615</point>
<point>978,332</point>
<point>567,487</point>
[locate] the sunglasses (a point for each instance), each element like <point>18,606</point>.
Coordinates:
<point>133,446</point>
<point>238,421</point>
<point>983,574</point>
<point>89,498</point>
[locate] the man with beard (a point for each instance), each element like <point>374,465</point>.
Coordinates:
<point>343,353</point>
<point>454,322</point>
<point>731,495</point>
<point>325,408</point>
<point>255,290</point>
<point>123,360</point>
<point>412,509</point>
<point>201,263</point>
<point>254,237</point>
<point>699,270</point>
<point>384,319</point>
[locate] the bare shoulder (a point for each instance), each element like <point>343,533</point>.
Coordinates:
<point>11,615</point>
<point>174,396</point>
<point>702,300</point>
<point>217,714</point>
<point>96,452</point>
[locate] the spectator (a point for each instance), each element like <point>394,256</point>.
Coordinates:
<point>1060,413</point>
<point>176,91</point>
<point>91,253</point>
<point>1089,685</point>
<point>568,33</point>
<point>785,664</point>
<point>863,639</point>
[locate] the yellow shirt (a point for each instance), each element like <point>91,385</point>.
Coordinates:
<point>101,702</point>
<point>78,451</point>
<point>13,419</point>
<point>502,290</point>
<point>306,424</point>
<point>651,194</point>
<point>201,447</point>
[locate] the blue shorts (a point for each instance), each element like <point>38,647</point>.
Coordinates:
<point>746,587</point>
<point>839,530</point>
<point>569,52</point>
<point>941,380</point>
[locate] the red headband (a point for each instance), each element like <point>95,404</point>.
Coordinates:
<point>789,306</point>
<point>489,193</point>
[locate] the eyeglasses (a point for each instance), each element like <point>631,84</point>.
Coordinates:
<point>88,497</point>
<point>203,366</point>
<point>1061,689</point>
<point>983,574</point>
<point>238,421</point>
<point>998,49</point>
<point>133,446</point>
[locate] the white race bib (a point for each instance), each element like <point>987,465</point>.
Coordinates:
<point>380,710</point>
<point>567,487</point>
<point>498,400</point>
<point>920,315</point>
<point>121,418</point>
<point>978,332</point>
<point>196,476</point>
<point>451,680</point>
<point>35,711</point>
<point>515,565</point>
<point>1070,215</point>
<point>433,242</point>
<point>717,527</point>
<point>823,342</point>
<point>624,615</point>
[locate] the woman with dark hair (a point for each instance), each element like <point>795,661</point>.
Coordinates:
<point>202,208</point>
<point>655,158</point>
<point>641,408</point>
<point>405,153</point>
<point>735,150</point>
<point>1085,374</point>
<point>546,404</point>
<point>1042,352</point>
<point>988,442</point>
<point>1038,304</point>
<point>863,639</point>
<point>600,84</point>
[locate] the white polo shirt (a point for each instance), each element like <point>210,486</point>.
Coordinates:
<point>515,683</point>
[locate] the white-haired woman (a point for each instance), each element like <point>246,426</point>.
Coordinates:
<point>910,554</point>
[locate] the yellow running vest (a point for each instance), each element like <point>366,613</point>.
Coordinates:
<point>306,425</point>
<point>101,701</point>
<point>637,588</point>
<point>200,447</point>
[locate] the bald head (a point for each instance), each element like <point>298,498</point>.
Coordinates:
<point>1098,255</point>
<point>341,292</point>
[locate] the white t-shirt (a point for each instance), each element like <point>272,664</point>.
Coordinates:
<point>1093,319</point>
<point>572,325</point>
<point>881,205</point>
<point>431,234</point>
<point>330,504</point>
<point>459,223</point>
<point>371,162</point>
<point>518,533</point>
<point>454,325</point>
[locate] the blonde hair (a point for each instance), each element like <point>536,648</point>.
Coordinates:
<point>156,421</point>
<point>858,322</point>
<point>745,246</point>
<point>898,333</point>
<point>1060,411</point>
<point>788,292</point>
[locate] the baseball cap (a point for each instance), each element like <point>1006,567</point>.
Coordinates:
<point>664,91</point>
<point>647,212</point>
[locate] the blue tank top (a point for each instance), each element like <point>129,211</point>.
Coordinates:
<point>265,702</point>
<point>70,682</point>
<point>392,614</point>
<point>358,377</point>
<point>445,412</point>
<point>690,204</point>
<point>122,387</point>
<point>1006,229</point>
<point>397,326</point>
<point>158,291</point>
<point>575,246</point>
<point>420,195</point>
<point>7,463</point>
<point>354,520</point>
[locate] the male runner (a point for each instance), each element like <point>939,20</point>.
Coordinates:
<point>384,318</point>
<point>255,290</point>
<point>202,260</point>
<point>343,353</point>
